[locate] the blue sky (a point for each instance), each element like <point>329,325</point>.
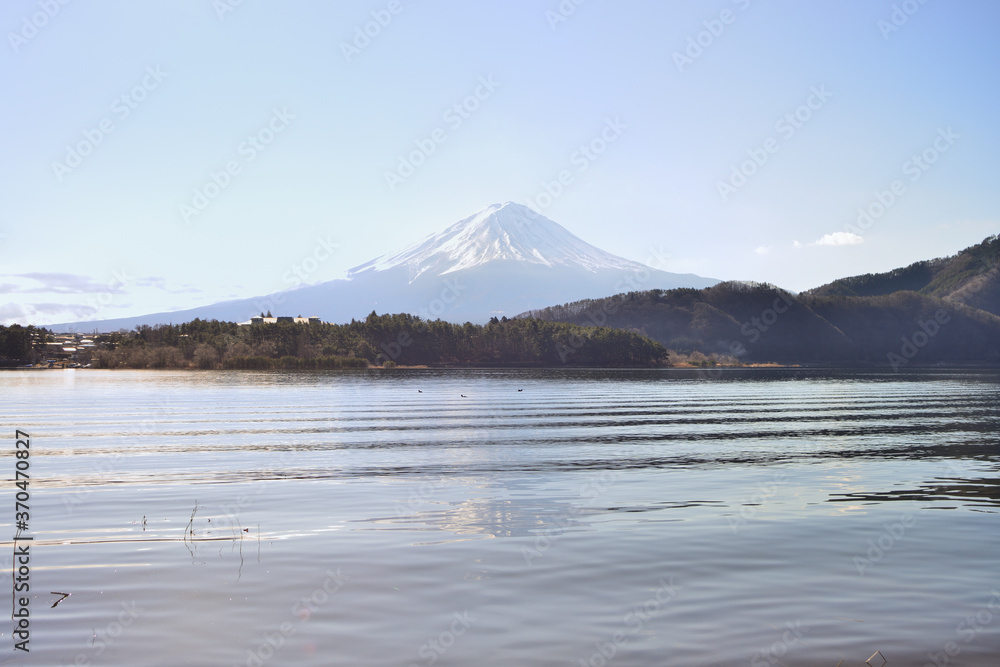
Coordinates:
<point>167,154</point>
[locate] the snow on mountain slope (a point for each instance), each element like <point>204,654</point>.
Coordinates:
<point>504,260</point>
<point>507,231</point>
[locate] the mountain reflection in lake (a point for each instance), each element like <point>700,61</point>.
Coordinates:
<point>660,517</point>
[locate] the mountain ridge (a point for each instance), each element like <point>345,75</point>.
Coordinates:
<point>970,277</point>
<point>501,260</point>
<point>864,319</point>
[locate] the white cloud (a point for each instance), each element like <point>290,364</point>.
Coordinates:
<point>840,238</point>
<point>41,313</point>
<point>57,283</point>
<point>762,250</point>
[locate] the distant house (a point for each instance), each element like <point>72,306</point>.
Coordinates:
<point>256,320</point>
<point>68,349</point>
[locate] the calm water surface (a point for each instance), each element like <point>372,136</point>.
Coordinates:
<point>551,518</point>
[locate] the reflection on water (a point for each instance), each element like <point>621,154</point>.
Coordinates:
<point>982,492</point>
<point>350,518</point>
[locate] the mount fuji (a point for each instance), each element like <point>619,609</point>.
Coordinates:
<point>501,232</point>
<point>501,261</point>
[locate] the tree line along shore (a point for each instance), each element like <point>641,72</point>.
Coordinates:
<point>378,340</point>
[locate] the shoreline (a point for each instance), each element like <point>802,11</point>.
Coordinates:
<point>677,367</point>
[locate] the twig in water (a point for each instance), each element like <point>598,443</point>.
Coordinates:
<point>189,531</point>
<point>239,575</point>
<point>876,653</point>
<point>190,526</point>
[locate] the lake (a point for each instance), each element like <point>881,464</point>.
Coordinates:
<point>507,517</point>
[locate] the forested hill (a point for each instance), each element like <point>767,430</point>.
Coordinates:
<point>760,323</point>
<point>972,277</point>
<point>380,340</point>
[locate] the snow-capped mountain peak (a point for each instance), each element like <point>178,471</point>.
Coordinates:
<point>498,232</point>
<point>501,261</point>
